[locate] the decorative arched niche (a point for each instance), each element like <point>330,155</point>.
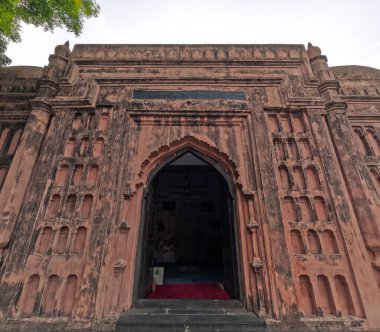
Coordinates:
<point>167,153</point>
<point>226,167</point>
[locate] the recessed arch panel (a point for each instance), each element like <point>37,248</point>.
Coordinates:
<point>221,165</point>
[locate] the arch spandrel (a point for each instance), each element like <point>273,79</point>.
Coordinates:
<point>215,157</point>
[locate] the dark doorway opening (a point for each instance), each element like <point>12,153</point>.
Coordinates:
<point>188,238</point>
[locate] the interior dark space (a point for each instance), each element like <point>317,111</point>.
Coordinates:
<point>189,247</point>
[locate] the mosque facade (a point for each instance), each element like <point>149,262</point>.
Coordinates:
<point>128,170</point>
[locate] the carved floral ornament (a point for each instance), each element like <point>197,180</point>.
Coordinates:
<point>253,226</point>
<point>187,53</point>
<point>259,95</point>
<point>120,265</point>
<point>257,264</point>
<point>18,86</point>
<point>124,226</point>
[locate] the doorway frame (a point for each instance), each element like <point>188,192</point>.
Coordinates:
<point>232,188</point>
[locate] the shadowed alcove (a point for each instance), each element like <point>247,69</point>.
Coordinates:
<point>188,246</point>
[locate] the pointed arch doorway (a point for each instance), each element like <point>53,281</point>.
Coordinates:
<point>188,244</point>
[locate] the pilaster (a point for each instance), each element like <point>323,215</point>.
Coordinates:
<point>16,183</point>
<point>26,156</point>
<point>362,224</point>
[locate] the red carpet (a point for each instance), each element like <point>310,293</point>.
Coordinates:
<point>189,291</point>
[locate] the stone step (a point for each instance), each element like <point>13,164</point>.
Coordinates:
<point>187,316</point>
<point>187,304</point>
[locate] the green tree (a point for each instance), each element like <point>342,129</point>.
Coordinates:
<point>49,14</point>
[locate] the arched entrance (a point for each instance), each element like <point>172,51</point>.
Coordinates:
<point>188,246</point>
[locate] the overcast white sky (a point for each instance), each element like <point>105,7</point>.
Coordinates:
<point>347,31</point>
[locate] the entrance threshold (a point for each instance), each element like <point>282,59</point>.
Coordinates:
<point>188,315</point>
<point>189,291</point>
<point>187,304</point>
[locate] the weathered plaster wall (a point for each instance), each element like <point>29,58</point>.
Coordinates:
<point>275,119</point>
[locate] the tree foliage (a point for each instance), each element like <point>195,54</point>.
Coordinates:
<point>49,14</point>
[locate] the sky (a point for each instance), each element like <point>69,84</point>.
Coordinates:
<point>347,31</point>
